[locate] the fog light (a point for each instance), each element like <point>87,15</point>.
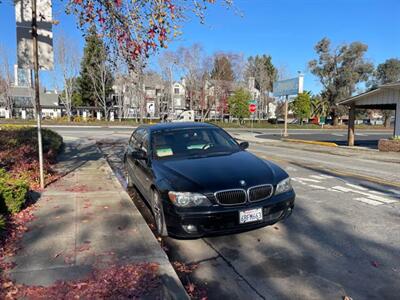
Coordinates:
<point>190,228</point>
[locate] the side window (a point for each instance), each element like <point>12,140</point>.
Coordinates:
<point>132,140</point>
<point>145,141</point>
<point>136,139</point>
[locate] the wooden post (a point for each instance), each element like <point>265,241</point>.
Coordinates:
<point>350,132</point>
<point>285,132</point>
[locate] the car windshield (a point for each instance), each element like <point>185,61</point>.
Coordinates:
<point>192,143</point>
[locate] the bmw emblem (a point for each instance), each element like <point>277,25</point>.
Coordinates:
<point>242,183</point>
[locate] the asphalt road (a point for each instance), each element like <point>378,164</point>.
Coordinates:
<point>342,239</point>
<point>363,138</point>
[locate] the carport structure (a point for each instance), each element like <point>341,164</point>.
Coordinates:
<point>386,96</point>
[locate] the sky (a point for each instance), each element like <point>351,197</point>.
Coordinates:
<point>285,29</point>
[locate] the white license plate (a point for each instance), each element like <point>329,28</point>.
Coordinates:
<point>251,215</point>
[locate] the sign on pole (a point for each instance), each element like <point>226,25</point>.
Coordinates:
<point>252,107</point>
<point>23,17</point>
<point>288,88</point>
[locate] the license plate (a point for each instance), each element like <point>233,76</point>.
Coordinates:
<point>251,215</point>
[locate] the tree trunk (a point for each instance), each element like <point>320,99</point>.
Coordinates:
<point>387,120</point>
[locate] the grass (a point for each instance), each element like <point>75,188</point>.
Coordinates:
<point>246,124</point>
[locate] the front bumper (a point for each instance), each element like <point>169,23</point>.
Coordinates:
<point>218,220</point>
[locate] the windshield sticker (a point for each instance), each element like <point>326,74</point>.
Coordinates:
<point>164,152</point>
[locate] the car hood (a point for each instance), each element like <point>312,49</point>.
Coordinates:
<point>216,173</point>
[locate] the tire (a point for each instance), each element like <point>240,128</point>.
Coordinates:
<point>158,213</point>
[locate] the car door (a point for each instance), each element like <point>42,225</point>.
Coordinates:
<point>134,145</point>
<point>144,166</point>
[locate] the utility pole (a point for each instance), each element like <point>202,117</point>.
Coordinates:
<point>37,91</point>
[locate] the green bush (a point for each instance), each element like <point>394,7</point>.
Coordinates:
<point>13,193</point>
<point>14,137</point>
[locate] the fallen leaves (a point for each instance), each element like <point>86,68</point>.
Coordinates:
<point>117,282</point>
<point>81,188</point>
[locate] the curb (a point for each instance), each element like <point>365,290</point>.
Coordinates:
<point>172,287</point>
<point>327,144</point>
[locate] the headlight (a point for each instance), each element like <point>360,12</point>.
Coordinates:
<point>283,186</point>
<point>182,199</point>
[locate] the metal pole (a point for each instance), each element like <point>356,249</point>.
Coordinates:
<point>285,132</point>
<point>37,92</point>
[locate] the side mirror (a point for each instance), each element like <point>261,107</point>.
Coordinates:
<point>139,154</point>
<point>244,145</point>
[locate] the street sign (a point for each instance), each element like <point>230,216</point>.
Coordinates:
<point>252,108</point>
<point>23,17</point>
<point>288,87</point>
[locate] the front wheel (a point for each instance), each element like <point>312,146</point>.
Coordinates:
<point>158,213</point>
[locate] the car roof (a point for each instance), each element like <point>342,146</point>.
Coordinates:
<point>178,125</point>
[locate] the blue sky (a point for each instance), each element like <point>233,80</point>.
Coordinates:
<point>285,29</point>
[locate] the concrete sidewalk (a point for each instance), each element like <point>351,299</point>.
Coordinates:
<point>87,221</point>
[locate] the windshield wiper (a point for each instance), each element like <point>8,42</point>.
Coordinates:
<point>212,154</point>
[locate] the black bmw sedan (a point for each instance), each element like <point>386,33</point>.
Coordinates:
<point>198,180</point>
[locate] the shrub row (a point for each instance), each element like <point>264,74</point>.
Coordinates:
<point>13,193</point>
<point>19,152</point>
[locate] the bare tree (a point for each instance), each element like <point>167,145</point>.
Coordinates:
<point>100,74</point>
<point>68,62</point>
<point>191,61</point>
<point>6,82</point>
<point>168,62</point>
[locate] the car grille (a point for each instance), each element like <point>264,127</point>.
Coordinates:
<point>260,192</point>
<point>231,197</point>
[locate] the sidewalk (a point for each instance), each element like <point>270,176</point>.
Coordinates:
<point>86,221</point>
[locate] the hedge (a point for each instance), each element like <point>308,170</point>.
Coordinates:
<point>13,193</point>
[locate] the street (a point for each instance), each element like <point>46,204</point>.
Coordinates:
<point>342,239</point>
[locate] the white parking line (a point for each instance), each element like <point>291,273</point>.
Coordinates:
<point>308,180</point>
<point>318,187</point>
<point>325,176</point>
<point>318,177</point>
<point>369,201</point>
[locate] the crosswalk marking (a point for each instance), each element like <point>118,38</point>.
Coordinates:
<point>309,180</point>
<point>318,187</point>
<point>318,177</point>
<point>361,193</point>
<point>369,201</point>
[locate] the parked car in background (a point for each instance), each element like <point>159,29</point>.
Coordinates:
<point>198,180</point>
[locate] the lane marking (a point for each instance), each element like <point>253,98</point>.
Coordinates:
<point>369,201</point>
<point>341,188</point>
<point>326,176</point>
<point>308,180</point>
<point>318,177</point>
<point>318,187</point>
